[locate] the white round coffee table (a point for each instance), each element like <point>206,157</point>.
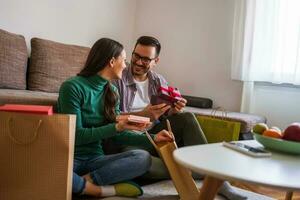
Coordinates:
<point>220,163</point>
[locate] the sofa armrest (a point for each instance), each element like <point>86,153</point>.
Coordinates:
<point>198,102</point>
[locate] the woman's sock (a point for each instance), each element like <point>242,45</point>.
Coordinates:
<point>128,189</point>
<point>108,190</point>
<point>230,193</point>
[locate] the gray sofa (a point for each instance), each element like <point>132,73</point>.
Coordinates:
<point>36,81</point>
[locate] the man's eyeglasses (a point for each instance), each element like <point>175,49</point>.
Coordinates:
<point>145,60</point>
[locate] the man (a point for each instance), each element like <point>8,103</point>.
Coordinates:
<point>139,82</point>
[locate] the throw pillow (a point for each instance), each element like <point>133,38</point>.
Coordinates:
<point>13,61</point>
<point>51,63</point>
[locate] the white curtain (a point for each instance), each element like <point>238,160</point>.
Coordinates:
<point>266,41</point>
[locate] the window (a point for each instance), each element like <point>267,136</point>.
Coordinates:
<point>266,42</point>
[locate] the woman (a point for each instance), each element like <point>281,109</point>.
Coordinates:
<point>95,102</point>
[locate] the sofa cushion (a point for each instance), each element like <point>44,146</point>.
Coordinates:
<point>51,63</point>
<point>27,97</point>
<point>13,60</point>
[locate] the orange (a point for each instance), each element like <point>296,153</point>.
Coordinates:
<point>272,133</point>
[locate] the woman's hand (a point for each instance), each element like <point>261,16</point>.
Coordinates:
<point>163,136</point>
<point>123,125</point>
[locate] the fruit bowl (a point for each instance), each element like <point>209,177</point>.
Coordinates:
<point>278,144</point>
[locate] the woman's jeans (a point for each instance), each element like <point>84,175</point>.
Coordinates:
<point>110,169</point>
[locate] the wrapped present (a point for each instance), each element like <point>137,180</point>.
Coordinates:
<point>134,119</point>
<point>168,95</point>
<point>35,109</point>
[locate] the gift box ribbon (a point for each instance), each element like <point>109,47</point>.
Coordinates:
<point>172,92</point>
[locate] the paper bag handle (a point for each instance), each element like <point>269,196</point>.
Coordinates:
<point>15,140</point>
<point>151,140</point>
<point>223,112</point>
<point>170,131</point>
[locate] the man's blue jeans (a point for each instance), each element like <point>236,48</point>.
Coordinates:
<point>110,169</point>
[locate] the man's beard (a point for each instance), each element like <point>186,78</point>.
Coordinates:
<point>142,69</point>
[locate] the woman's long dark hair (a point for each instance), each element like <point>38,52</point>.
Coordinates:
<point>100,55</point>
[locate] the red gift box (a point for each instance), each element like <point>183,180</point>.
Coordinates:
<point>35,109</point>
<point>168,95</point>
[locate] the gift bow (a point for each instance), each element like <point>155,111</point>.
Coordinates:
<point>173,92</point>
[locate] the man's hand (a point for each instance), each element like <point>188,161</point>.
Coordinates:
<point>154,112</point>
<point>179,105</point>
<point>163,136</point>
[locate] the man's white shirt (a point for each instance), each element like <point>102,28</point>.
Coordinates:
<point>141,98</point>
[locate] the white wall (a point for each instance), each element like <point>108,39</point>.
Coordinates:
<point>279,104</point>
<point>196,45</point>
<point>70,21</point>
<point>195,35</point>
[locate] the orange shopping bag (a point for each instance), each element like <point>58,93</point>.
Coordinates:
<point>36,156</point>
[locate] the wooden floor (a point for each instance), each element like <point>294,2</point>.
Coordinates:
<point>271,192</point>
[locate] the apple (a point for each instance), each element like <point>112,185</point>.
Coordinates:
<point>260,128</point>
<point>292,132</point>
